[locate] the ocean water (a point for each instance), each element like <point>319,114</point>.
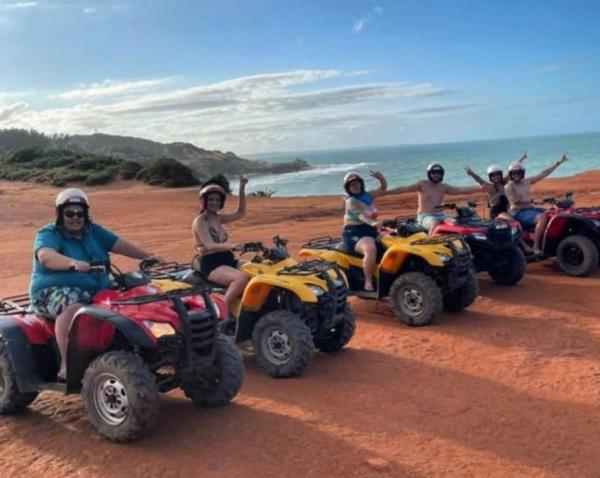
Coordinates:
<point>406,164</point>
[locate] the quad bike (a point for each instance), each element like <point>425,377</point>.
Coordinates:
<point>495,244</point>
<point>129,344</point>
<point>420,275</point>
<point>572,235</point>
<point>287,309</point>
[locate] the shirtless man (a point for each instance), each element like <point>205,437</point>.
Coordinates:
<point>430,194</point>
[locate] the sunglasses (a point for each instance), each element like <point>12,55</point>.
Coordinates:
<point>516,173</point>
<point>71,214</point>
<point>496,174</point>
<point>436,173</point>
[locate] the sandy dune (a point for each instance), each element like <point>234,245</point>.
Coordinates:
<point>508,388</point>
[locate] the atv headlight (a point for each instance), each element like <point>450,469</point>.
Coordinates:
<point>315,290</point>
<point>158,329</point>
<point>442,257</point>
<point>479,236</point>
<point>514,231</point>
<point>596,223</point>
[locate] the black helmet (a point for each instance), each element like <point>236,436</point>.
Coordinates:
<point>435,167</point>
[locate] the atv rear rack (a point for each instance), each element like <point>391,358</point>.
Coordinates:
<point>15,305</point>
<point>441,239</point>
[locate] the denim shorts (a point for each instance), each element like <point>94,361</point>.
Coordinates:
<point>426,220</point>
<point>526,216</point>
<point>52,301</point>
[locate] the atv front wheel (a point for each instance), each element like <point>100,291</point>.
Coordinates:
<point>464,296</point>
<point>11,400</point>
<point>339,335</point>
<point>577,255</point>
<point>416,299</point>
<point>120,395</point>
<point>509,268</point>
<point>283,344</point>
<point>226,380</point>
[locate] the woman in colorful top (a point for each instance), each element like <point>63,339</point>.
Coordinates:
<point>61,281</point>
<point>215,260</point>
<point>518,192</point>
<point>360,224</point>
<point>497,200</point>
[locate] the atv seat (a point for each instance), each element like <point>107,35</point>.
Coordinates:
<point>196,279</point>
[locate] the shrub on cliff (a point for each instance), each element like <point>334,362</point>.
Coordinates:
<point>167,172</point>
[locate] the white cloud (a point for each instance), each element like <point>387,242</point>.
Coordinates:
<point>361,22</point>
<point>89,11</point>
<point>12,110</point>
<point>263,111</point>
<point>20,5</point>
<point>110,88</point>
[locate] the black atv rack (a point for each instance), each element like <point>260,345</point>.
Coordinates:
<point>441,239</point>
<point>308,267</point>
<point>322,242</point>
<point>165,271</point>
<point>15,305</point>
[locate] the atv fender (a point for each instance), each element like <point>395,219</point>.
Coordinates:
<point>394,257</point>
<point>21,355</point>
<point>78,358</point>
<point>557,228</point>
<point>259,287</point>
<point>341,258</point>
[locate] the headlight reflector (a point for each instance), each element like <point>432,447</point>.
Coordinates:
<point>158,329</point>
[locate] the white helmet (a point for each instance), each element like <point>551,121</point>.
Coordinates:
<point>71,196</point>
<point>494,168</point>
<point>353,176</point>
<point>516,167</point>
<point>435,167</point>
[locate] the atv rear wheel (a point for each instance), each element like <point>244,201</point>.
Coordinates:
<point>11,400</point>
<point>339,335</point>
<point>416,299</point>
<point>120,396</point>
<point>509,268</point>
<point>464,296</point>
<point>227,379</point>
<point>577,255</point>
<point>283,344</point>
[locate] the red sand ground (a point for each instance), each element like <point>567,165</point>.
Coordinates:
<point>508,388</point>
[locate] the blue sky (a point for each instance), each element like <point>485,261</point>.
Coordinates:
<point>256,76</point>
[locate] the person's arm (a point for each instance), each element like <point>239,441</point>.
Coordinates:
<point>355,206</point>
<point>548,171</point>
<point>126,248</point>
<point>208,245</point>
<point>241,211</point>
<point>51,259</point>
<point>463,190</point>
<point>475,176</point>
<point>405,189</point>
<point>382,189</point>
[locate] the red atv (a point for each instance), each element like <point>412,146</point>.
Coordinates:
<point>494,243</point>
<point>129,344</point>
<point>572,235</point>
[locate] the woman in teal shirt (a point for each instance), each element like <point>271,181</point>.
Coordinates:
<point>61,281</point>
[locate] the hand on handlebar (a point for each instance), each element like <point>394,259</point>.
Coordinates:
<point>238,247</point>
<point>79,266</point>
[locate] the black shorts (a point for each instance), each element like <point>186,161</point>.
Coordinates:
<point>352,234</point>
<point>207,263</point>
<point>495,211</point>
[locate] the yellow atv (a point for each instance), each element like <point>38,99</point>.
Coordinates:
<point>287,309</point>
<point>420,275</point>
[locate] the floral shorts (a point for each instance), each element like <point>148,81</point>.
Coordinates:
<point>52,301</point>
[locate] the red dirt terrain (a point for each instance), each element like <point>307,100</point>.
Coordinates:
<point>510,387</point>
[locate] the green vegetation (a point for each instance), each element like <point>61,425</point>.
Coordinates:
<point>167,172</point>
<point>61,166</point>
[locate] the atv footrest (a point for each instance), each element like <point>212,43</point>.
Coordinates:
<point>53,386</point>
<point>363,294</point>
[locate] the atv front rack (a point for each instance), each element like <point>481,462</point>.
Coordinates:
<point>308,267</point>
<point>15,305</point>
<point>322,242</point>
<point>443,239</point>
<point>168,270</point>
<point>170,295</point>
